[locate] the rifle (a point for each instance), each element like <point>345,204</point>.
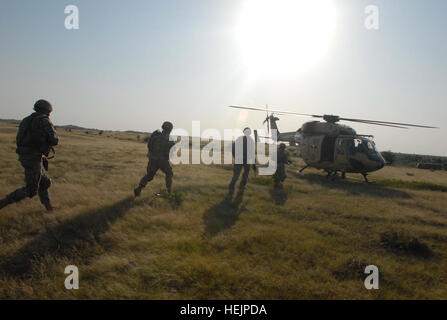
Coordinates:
<point>46,157</point>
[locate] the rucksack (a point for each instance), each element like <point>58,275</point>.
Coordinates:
<point>155,144</point>
<point>25,136</point>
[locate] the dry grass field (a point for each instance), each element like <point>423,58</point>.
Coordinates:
<point>310,241</point>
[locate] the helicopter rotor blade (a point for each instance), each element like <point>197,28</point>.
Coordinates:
<point>278,112</point>
<point>366,121</point>
<point>389,123</point>
<point>380,124</point>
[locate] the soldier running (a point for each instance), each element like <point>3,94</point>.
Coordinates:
<point>159,147</point>
<point>35,138</point>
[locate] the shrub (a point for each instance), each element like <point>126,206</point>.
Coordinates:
<point>389,157</point>
<point>402,242</point>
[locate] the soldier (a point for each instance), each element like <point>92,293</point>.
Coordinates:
<point>35,138</point>
<point>159,147</point>
<point>282,159</point>
<point>242,161</point>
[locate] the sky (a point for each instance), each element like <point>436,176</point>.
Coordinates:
<point>132,65</point>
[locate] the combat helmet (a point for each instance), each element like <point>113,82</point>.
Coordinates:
<point>43,106</point>
<point>167,126</point>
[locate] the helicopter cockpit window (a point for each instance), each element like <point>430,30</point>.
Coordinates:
<point>358,143</point>
<point>364,146</point>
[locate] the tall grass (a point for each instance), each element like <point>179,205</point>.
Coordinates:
<point>309,240</point>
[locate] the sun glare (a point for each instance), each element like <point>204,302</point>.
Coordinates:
<point>279,37</point>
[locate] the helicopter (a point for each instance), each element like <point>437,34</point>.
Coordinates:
<point>331,146</point>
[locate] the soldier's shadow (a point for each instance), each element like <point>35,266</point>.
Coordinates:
<point>71,239</point>
<point>223,215</point>
<point>279,195</point>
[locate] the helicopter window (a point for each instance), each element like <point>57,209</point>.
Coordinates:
<point>357,143</point>
<point>364,146</point>
<point>361,145</point>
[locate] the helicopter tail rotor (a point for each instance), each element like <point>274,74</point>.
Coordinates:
<point>267,119</point>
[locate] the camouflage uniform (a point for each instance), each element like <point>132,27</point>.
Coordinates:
<point>282,160</point>
<point>247,160</point>
<point>35,138</point>
<point>159,147</point>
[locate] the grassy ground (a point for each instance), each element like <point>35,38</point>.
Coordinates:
<point>310,241</point>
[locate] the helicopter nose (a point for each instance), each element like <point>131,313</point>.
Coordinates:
<point>380,164</point>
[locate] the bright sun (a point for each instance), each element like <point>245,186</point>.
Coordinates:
<point>280,37</point>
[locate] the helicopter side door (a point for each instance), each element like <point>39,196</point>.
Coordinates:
<point>311,149</point>
<point>328,149</point>
<point>342,151</point>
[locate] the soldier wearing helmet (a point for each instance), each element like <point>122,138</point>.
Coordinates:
<point>282,159</point>
<point>159,147</point>
<point>244,158</point>
<point>35,138</point>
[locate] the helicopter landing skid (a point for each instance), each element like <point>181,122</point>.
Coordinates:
<point>331,175</point>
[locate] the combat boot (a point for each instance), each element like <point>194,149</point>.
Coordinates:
<point>48,206</point>
<point>3,203</point>
<point>137,191</point>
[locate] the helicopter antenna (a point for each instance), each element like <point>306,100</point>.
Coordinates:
<point>268,119</point>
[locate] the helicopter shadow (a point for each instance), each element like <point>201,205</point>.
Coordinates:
<point>355,188</point>
<point>223,215</point>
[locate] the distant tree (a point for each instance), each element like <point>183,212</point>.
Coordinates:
<point>101,132</point>
<point>389,157</point>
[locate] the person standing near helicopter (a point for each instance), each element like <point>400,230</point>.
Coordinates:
<point>282,159</point>
<point>244,158</point>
